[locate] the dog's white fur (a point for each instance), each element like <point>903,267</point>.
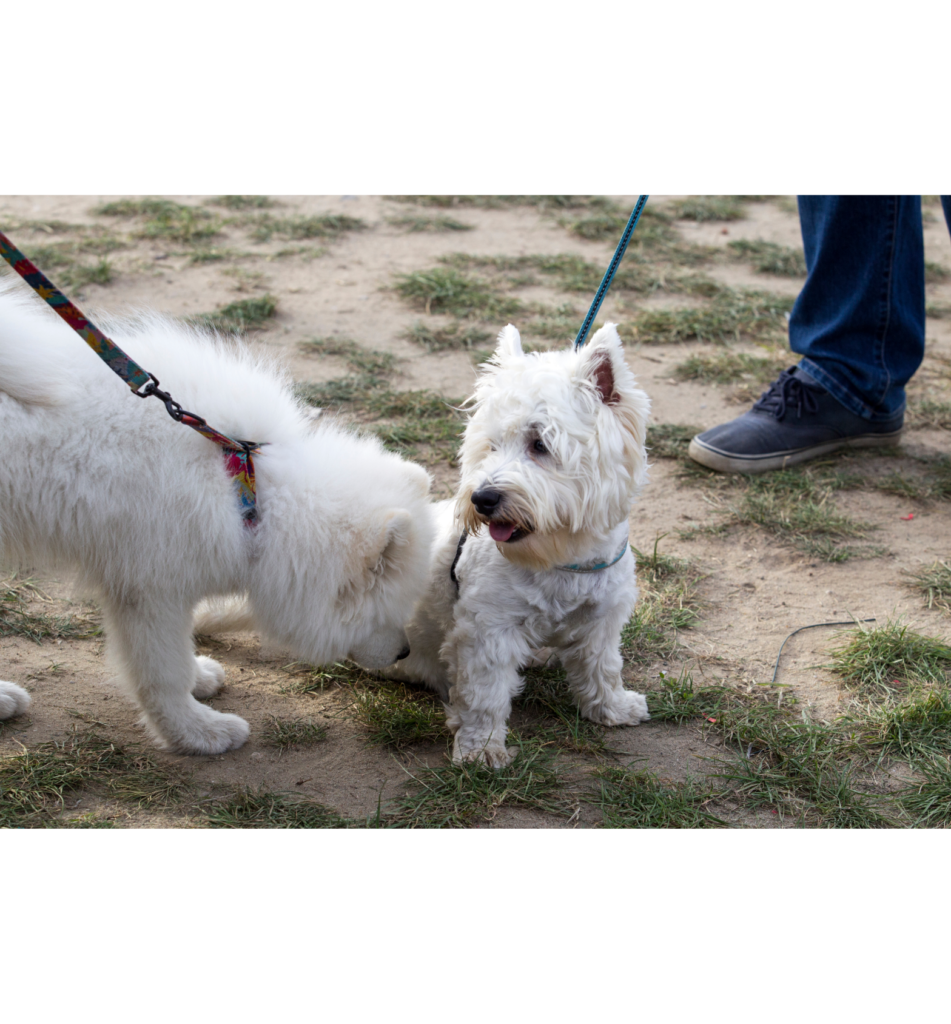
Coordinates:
<point>96,478</point>
<point>560,436</point>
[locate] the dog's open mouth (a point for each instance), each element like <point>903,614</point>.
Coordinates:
<point>505,533</point>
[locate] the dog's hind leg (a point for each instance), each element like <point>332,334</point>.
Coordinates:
<point>14,700</point>
<point>593,666</point>
<point>151,642</point>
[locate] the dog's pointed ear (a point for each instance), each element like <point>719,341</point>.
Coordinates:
<point>509,343</point>
<point>601,359</point>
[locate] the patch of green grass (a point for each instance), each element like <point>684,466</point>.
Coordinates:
<point>48,227</point>
<point>331,393</point>
<point>305,252</point>
<point>929,802</point>
<point>403,420</point>
<point>937,310</point>
<point>375,366</point>
<point>935,272</point>
<point>240,316</point>
<point>165,219</point>
<point>606,226</point>
<point>326,225</point>
<point>934,482</point>
<point>731,368</point>
<point>933,583</point>
<point>670,440</point>
<point>272,810</point>
<point>417,418</point>
<point>797,507</point>
<point>33,785</point>
<point>445,290</point>
<point>461,795</point>
<point>547,693</point>
<point>636,798</point>
<point>243,202</point>
<point>310,679</point>
<point>707,208</point>
<point>285,733</point>
<point>788,204</point>
<point>784,761</point>
<point>567,271</point>
<point>656,237</point>
<point>454,335</point>
<point>60,262</point>
<point>504,202</point>
<point>559,324</point>
<point>881,659</point>
<point>17,617</point>
<point>216,255</point>
<point>429,224</point>
<point>399,716</point>
<point>928,414</point>
<point>918,726</point>
<point>801,775</point>
<point>668,603</point>
<point>731,315</point>
<point>769,258</point>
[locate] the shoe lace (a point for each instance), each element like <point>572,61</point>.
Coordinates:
<point>788,391</point>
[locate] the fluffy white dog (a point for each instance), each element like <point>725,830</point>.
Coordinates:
<point>95,478</point>
<point>552,460</point>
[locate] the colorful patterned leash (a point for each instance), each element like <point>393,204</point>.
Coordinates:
<point>238,462</point>
<point>611,271</point>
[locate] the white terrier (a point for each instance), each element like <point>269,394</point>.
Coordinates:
<point>552,459</point>
<point>92,477</point>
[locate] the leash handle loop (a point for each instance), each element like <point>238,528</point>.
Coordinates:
<point>611,271</point>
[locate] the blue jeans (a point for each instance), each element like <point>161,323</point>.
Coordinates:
<point>859,321</point>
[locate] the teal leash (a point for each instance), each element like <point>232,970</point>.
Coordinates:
<point>611,271</point>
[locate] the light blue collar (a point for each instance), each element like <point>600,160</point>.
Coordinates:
<point>595,566</point>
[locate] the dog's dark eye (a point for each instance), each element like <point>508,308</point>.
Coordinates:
<point>539,448</point>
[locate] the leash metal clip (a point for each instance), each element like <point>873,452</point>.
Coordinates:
<point>172,407</point>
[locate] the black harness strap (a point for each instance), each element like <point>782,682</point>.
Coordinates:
<point>452,568</point>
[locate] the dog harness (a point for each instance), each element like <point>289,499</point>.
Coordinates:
<point>238,462</point>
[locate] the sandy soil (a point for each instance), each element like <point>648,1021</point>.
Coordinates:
<point>757,589</point>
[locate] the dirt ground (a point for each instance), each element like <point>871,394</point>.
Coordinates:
<point>756,586</point>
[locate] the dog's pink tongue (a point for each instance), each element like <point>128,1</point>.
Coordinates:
<point>501,531</point>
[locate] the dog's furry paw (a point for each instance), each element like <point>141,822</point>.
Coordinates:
<point>627,708</point>
<point>208,679</point>
<point>14,700</point>
<point>491,755</point>
<point>206,732</point>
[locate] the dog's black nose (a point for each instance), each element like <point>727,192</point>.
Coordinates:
<point>487,500</point>
<point>403,654</point>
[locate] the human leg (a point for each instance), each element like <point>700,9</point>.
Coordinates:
<point>859,321</point>
<point>859,324</point>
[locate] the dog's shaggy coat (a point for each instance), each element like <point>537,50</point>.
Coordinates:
<point>552,459</point>
<point>95,478</point>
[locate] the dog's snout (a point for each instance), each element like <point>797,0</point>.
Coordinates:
<point>486,500</point>
<point>403,653</point>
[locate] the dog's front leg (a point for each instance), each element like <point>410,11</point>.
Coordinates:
<point>151,641</point>
<point>593,666</point>
<point>484,670</point>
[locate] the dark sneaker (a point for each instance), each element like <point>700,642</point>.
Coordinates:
<point>795,420</point>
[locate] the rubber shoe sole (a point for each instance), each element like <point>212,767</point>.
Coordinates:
<point>730,462</point>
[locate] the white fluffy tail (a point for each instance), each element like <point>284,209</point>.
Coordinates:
<point>223,615</point>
